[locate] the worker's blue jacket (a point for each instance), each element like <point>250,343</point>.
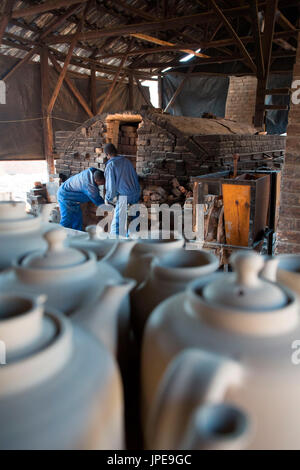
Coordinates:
<point>79,188</point>
<point>121,179</point>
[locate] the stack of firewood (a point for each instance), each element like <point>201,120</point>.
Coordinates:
<point>158,195</point>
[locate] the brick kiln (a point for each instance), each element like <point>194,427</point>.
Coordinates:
<point>167,151</point>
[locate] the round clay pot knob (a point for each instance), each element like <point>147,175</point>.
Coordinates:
<point>55,239</point>
<point>247,266</point>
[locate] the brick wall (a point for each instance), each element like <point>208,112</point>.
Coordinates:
<point>289,215</point>
<point>241,99</point>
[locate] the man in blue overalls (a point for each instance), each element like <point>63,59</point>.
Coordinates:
<point>83,187</point>
<point>121,179</point>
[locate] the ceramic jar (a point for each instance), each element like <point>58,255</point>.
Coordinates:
<point>75,283</point>
<point>68,276</point>
<point>60,388</point>
<point>168,275</point>
<point>154,244</point>
<point>219,364</point>
<point>19,232</point>
<point>289,271</point>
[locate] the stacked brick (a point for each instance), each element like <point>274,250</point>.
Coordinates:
<point>127,140</point>
<point>289,215</point>
<point>240,105</point>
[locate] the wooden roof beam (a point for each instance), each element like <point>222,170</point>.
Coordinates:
<point>233,33</point>
<point>160,25</point>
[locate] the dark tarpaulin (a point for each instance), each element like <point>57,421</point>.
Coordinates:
<point>24,139</point>
<point>199,95</point>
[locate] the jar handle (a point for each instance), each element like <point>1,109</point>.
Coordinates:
<point>193,380</point>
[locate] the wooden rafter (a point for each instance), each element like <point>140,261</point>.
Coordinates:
<point>81,100</point>
<point>67,61</point>
<point>233,33</point>
<point>162,24</point>
<point>19,64</point>
<point>6,15</point>
<point>146,37</point>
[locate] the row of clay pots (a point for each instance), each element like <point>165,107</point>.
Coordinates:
<point>81,278</point>
<point>217,362</point>
<point>215,352</point>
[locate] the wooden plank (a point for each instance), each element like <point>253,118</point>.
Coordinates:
<point>179,88</point>
<point>154,40</point>
<point>44,7</point>
<point>6,15</point>
<point>277,107</point>
<point>237,203</point>
<point>81,100</point>
<point>47,121</point>
<point>233,33</point>
<point>278,91</point>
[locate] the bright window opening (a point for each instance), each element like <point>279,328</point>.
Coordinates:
<point>18,177</point>
<point>153,88</point>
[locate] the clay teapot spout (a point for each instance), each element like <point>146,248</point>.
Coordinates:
<point>270,268</point>
<point>119,254</point>
<point>101,317</point>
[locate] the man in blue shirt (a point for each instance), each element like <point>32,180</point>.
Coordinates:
<point>83,187</point>
<point>121,179</point>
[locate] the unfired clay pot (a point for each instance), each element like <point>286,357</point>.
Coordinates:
<point>19,232</point>
<point>288,272</point>
<point>74,282</point>
<point>154,244</point>
<point>167,275</point>
<point>217,364</point>
<point>60,388</point>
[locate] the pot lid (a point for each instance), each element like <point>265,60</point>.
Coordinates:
<point>13,217</point>
<point>245,289</point>
<point>57,254</point>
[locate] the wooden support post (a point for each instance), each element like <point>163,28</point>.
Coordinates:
<point>258,40</point>
<point>93,91</point>
<point>130,91</point>
<point>142,91</point>
<point>6,11</point>
<point>267,43</point>
<point>160,92</point>
<point>81,100</point>
<point>47,119</point>
<point>179,89</point>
